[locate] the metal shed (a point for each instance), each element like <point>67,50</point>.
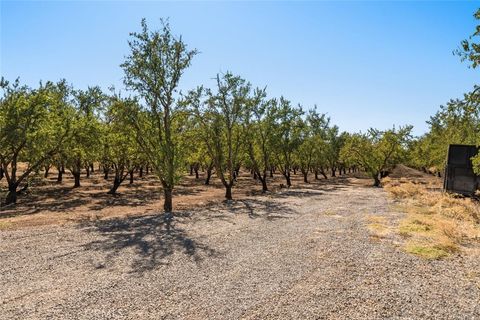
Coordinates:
<point>459,176</point>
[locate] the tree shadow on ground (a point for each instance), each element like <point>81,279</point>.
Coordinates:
<point>132,197</point>
<point>254,208</point>
<point>151,238</point>
<point>266,209</point>
<point>64,198</point>
<point>48,199</point>
<point>266,205</point>
<point>48,195</point>
<point>309,190</point>
<point>299,193</point>
<point>315,187</point>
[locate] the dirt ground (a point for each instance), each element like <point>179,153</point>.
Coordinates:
<point>301,253</point>
<point>48,202</point>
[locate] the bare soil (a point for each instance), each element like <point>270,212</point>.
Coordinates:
<point>48,202</point>
<point>299,253</point>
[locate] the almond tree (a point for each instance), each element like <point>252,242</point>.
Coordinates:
<point>83,144</point>
<point>286,136</point>
<point>197,155</point>
<point>312,146</point>
<point>377,151</point>
<point>153,70</point>
<point>259,127</point>
<point>120,150</point>
<point>33,125</point>
<point>334,143</point>
<point>221,116</point>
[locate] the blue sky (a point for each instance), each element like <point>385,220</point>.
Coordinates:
<point>365,64</point>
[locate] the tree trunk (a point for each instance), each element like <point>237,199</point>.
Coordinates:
<point>47,169</point>
<point>228,192</point>
<point>76,176</point>
<point>106,170</point>
<point>12,194</point>
<point>207,180</point>
<point>60,175</point>
<point>131,176</point>
<point>140,172</point>
<point>191,170</point>
<point>316,174</point>
<point>237,172</point>
<point>376,180</point>
<point>196,172</point>
<point>324,174</point>
<point>76,170</point>
<point>116,183</point>
<point>287,178</point>
<point>88,171</point>
<point>209,175</point>
<point>333,172</point>
<point>305,176</point>
<point>264,183</point>
<point>167,204</point>
<point>91,168</point>
<point>2,174</point>
<point>271,172</point>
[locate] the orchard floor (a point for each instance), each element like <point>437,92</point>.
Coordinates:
<point>301,253</point>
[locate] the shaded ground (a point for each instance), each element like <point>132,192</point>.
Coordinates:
<point>48,202</point>
<point>303,253</point>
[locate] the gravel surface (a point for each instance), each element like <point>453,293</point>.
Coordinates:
<point>300,254</point>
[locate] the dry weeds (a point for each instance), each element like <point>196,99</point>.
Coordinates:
<point>436,224</point>
<point>377,225</point>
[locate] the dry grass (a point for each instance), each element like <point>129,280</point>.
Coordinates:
<point>4,225</point>
<point>330,212</point>
<point>377,227</point>
<point>425,251</point>
<point>436,224</point>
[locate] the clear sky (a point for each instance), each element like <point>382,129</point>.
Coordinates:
<point>365,64</point>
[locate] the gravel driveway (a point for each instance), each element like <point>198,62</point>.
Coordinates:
<point>300,254</point>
